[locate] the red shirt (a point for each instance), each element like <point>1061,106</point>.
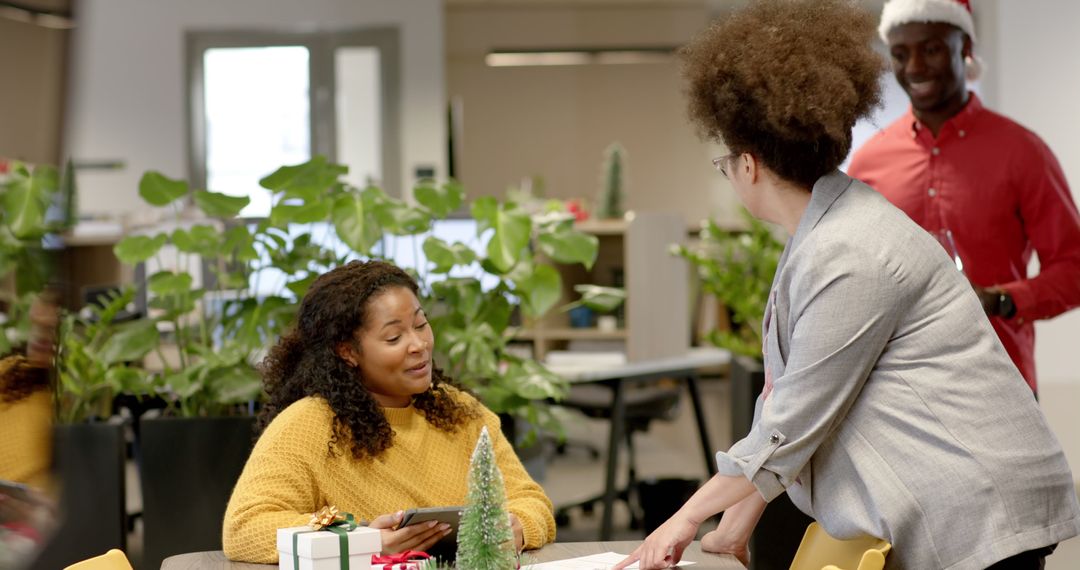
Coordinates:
<point>997,187</point>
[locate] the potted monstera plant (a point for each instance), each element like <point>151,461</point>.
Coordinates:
<point>215,328</point>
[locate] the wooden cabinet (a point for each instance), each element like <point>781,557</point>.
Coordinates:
<point>634,253</point>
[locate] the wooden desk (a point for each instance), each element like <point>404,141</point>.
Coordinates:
<point>683,368</point>
<point>557,551</point>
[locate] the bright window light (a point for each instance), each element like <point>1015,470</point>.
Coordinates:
<point>257,118</point>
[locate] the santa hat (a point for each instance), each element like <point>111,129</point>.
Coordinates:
<point>955,12</point>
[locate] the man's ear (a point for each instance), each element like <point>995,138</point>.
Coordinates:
<point>967,49</point>
<point>347,351</point>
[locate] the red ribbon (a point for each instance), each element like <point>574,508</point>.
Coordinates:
<point>399,558</point>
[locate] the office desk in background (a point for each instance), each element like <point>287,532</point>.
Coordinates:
<point>558,551</point>
<point>684,368</point>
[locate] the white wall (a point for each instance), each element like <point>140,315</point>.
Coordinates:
<point>555,122</point>
<point>127,95</point>
<point>1037,81</point>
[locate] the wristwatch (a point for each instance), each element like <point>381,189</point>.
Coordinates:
<point>1006,309</point>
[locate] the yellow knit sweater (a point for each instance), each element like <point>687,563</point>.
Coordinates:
<point>290,475</point>
<point>25,433</point>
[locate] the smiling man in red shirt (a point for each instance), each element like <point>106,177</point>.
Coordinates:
<point>955,167</point>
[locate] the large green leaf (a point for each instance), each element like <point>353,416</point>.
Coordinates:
<point>282,214</point>
<point>27,199</point>
<point>218,205</point>
<point>399,218</point>
<point>173,306</point>
<point>236,384</point>
<point>495,310</point>
<point>185,383</point>
<point>240,242</point>
<point>511,237</point>
<point>128,380</point>
<point>136,249</point>
<point>484,211</point>
<point>33,270</point>
<point>462,296</point>
<point>160,190</point>
<point>169,283</point>
<point>131,342</point>
<point>300,287</point>
<point>473,348</point>
<point>201,239</point>
<point>354,222</point>
<point>440,200</point>
<point>534,382</point>
<point>446,256</point>
<point>306,181</point>
<point>541,289</point>
<point>570,247</point>
<point>601,299</point>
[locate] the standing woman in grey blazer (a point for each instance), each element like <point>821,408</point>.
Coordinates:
<point>890,408</point>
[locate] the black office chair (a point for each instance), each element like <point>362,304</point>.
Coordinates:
<point>644,403</point>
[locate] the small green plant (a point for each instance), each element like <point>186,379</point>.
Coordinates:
<point>609,203</point>
<point>26,195</point>
<point>99,359</point>
<point>485,539</point>
<point>738,269</point>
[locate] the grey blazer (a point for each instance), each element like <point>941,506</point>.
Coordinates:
<point>894,410</point>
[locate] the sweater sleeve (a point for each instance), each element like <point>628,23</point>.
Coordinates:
<point>524,497</point>
<point>277,488</point>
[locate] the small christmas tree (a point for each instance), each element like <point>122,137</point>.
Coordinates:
<point>485,539</point>
<point>610,202</point>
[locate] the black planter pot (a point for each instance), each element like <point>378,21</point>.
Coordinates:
<point>778,533</point>
<point>188,469</point>
<point>88,462</point>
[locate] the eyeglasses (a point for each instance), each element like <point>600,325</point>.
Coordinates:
<point>720,163</point>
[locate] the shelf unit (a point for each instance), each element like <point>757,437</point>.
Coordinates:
<point>633,253</point>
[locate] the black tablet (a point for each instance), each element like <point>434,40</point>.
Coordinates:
<point>446,548</point>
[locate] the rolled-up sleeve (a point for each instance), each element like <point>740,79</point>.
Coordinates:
<point>843,311</point>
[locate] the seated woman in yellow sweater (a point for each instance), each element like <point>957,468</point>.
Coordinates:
<point>358,417</point>
<point>26,402</point>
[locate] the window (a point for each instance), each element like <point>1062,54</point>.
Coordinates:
<point>260,101</point>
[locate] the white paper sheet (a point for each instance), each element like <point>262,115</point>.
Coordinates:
<point>604,561</point>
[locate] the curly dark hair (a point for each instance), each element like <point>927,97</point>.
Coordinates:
<point>785,80</point>
<point>19,378</point>
<point>305,361</point>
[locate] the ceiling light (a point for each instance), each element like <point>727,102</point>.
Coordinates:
<point>591,56</point>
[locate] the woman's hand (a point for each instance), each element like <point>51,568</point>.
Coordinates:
<point>420,536</point>
<point>721,542</point>
<point>519,534</point>
<point>664,547</point>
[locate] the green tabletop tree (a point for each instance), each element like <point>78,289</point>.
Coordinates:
<point>485,539</point>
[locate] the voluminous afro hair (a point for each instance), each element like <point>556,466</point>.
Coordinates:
<point>785,80</point>
<point>305,361</point>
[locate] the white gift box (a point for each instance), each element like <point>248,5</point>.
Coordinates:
<point>322,550</point>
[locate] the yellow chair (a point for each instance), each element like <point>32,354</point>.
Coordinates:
<point>111,560</point>
<point>819,551</point>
